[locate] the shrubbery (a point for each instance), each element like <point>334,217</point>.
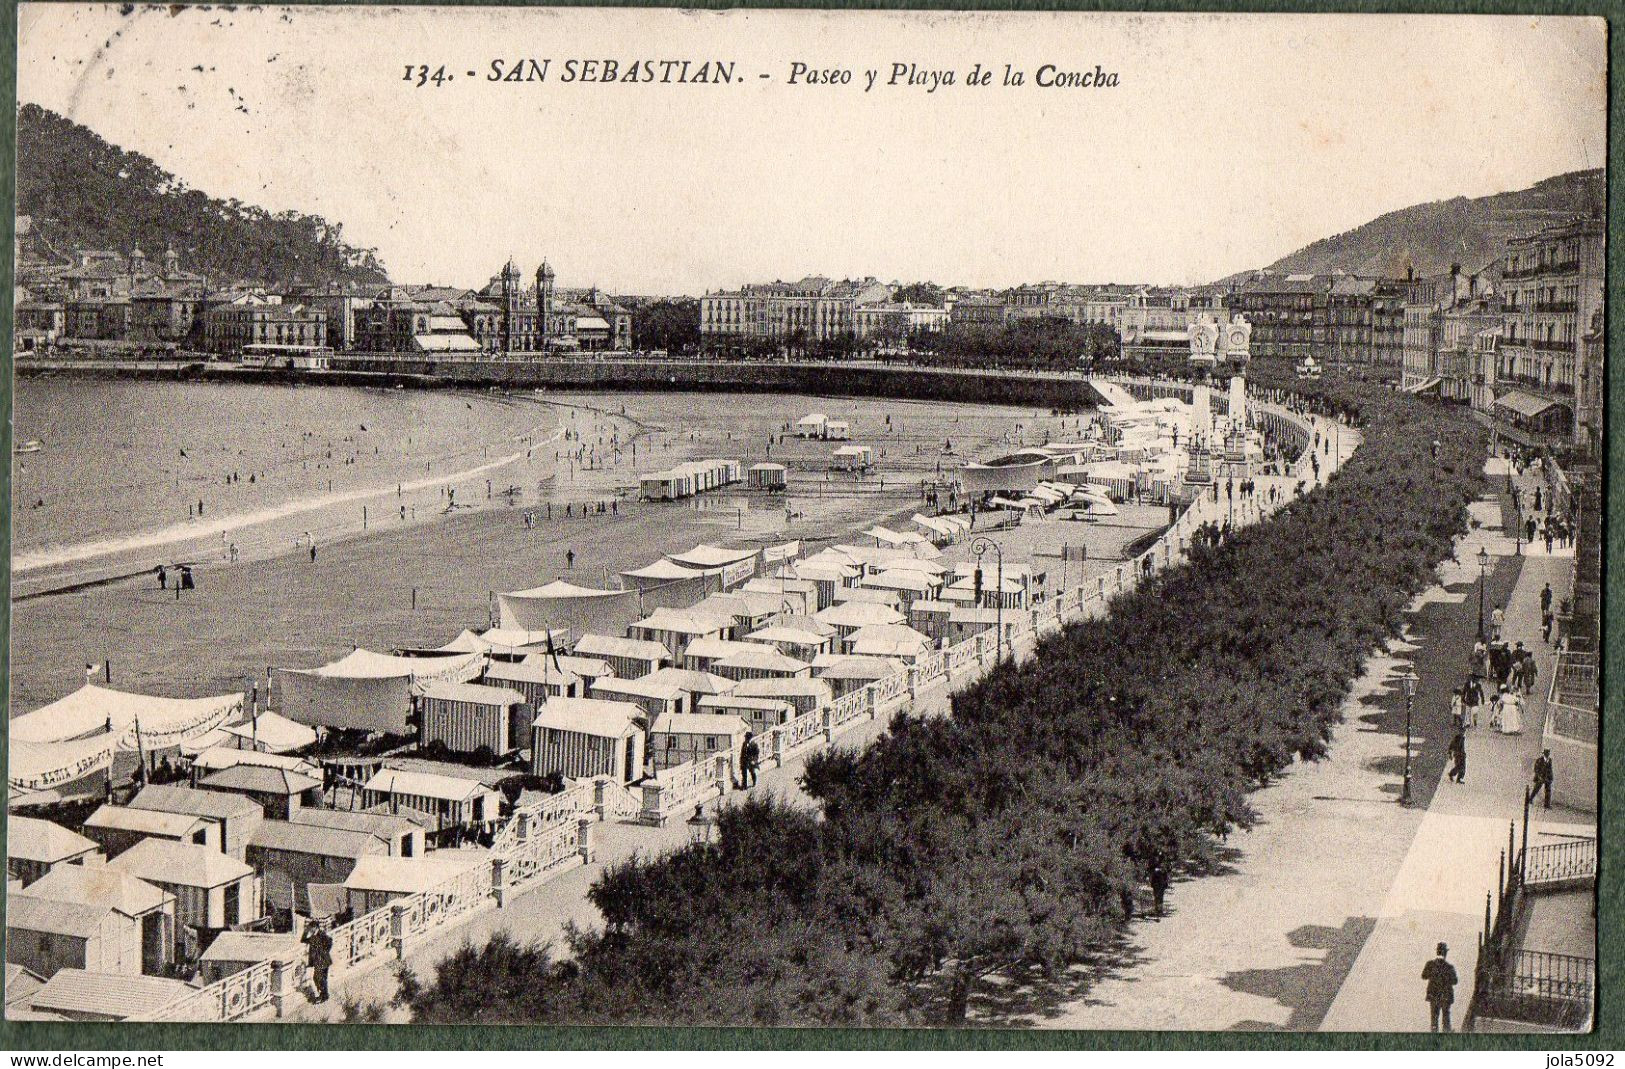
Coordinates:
<point>1008,840</point>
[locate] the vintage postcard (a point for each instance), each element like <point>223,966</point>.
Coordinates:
<point>806,518</point>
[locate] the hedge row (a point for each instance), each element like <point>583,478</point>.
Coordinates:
<point>975,858</point>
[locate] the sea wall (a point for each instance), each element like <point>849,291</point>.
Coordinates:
<point>838,378</point>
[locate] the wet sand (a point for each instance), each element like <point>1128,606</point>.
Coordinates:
<point>286,610</point>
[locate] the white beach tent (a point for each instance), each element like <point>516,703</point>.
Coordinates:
<point>90,709</point>
<point>737,565</point>
<point>364,690</point>
<point>580,610</point>
<point>40,766</point>
<point>667,584</point>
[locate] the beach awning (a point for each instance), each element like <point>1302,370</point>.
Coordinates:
<point>445,343</point>
<point>39,766</point>
<point>1523,404</point>
<point>704,556</point>
<point>90,709</point>
<point>578,609</point>
<point>667,571</point>
<point>272,733</point>
<point>365,691</point>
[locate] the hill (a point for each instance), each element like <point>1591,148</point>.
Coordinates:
<point>83,192</point>
<point>1430,237</point>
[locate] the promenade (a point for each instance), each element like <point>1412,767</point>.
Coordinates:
<point>1439,892</point>
<point>1327,909</point>
<point>542,914</point>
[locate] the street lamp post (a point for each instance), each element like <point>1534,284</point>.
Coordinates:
<point>1483,564</point>
<point>1407,683</point>
<point>979,547</point>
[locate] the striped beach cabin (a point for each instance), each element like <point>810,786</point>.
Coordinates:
<point>587,737</point>
<point>759,714</point>
<point>683,737</point>
<point>466,716</point>
<point>212,891</point>
<point>451,800</point>
<point>629,658</point>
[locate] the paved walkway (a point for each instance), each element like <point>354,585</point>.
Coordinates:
<point>1324,906</point>
<point>1453,863</point>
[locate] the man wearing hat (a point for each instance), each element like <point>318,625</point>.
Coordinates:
<point>1441,978</point>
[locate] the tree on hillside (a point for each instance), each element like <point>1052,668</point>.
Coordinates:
<point>85,193</point>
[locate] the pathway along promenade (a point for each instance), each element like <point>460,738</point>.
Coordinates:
<point>1331,904</point>
<point>542,913</point>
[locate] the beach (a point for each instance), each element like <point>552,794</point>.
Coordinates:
<point>419,581</point>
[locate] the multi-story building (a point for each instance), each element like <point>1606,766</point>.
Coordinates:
<point>1154,309</point>
<point>978,309</point>
<point>258,318</point>
<point>1552,289</point>
<point>107,296</point>
<point>1290,314</point>
<point>815,309</point>
<point>1459,328</point>
<point>1592,390</point>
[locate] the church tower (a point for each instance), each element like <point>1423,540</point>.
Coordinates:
<point>510,289</point>
<point>544,302</point>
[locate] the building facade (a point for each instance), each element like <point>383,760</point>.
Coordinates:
<point>815,309</point>
<point>1552,288</point>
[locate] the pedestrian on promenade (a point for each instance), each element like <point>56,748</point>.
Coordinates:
<point>313,552</point>
<point>1549,534</point>
<point>1441,992</point>
<point>1511,715</point>
<point>1497,619</point>
<point>1458,755</point>
<point>1538,500</point>
<point>1529,527</point>
<point>749,753</point>
<point>1472,696</point>
<point>319,950</point>
<point>1546,625</point>
<point>1527,671</point>
<point>1543,777</point>
<point>1458,708</point>
<point>1479,661</point>
<point>569,558</point>
<point>1159,885</point>
<point>1545,597</point>
<point>163,578</point>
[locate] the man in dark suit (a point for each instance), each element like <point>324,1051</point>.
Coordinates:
<point>1441,978</point>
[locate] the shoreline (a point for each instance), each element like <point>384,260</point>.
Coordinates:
<point>281,609</point>
<point>270,529</point>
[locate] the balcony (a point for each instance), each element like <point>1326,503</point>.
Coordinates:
<point>1556,307</point>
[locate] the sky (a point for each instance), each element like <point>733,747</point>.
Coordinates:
<point>1227,141</point>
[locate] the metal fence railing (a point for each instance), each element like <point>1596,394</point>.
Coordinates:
<point>1539,987</point>
<point>1574,700</point>
<point>1560,862</point>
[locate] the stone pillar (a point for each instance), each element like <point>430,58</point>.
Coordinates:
<point>722,772</point>
<point>600,790</point>
<point>397,928</point>
<point>651,803</point>
<point>829,730</point>
<point>281,985</point>
<point>870,702</point>
<point>522,826</point>
<point>499,880</point>
<point>913,681</point>
<point>584,839</point>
